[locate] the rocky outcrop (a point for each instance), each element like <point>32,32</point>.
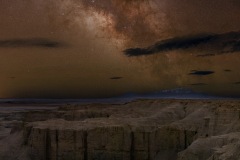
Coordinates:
<point>222,147</point>
<point>97,141</point>
<point>133,131</point>
<point>139,130</point>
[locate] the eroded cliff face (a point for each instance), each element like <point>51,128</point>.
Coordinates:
<point>104,142</point>
<point>139,130</point>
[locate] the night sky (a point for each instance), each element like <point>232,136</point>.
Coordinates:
<point>106,48</point>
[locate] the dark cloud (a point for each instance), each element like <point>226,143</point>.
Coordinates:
<point>201,73</point>
<point>206,55</point>
<point>35,42</point>
<point>116,78</point>
<point>227,70</point>
<point>171,44</point>
<point>216,43</point>
<point>199,84</point>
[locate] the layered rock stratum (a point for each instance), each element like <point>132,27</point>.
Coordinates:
<point>138,130</point>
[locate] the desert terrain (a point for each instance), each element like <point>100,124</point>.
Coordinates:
<point>162,129</point>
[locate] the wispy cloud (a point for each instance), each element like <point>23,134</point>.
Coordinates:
<point>34,42</point>
<point>213,43</point>
<point>201,73</point>
<point>199,84</point>
<point>116,78</point>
